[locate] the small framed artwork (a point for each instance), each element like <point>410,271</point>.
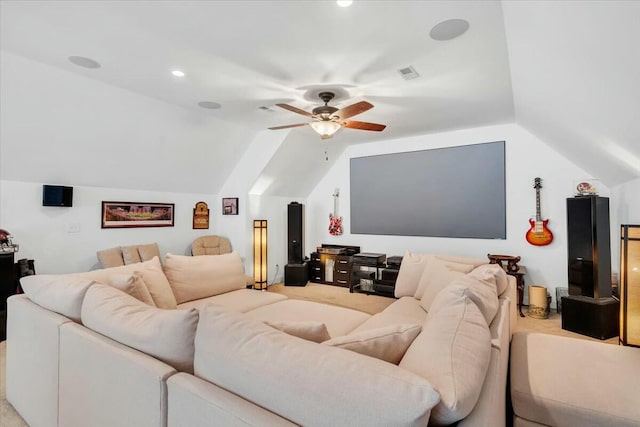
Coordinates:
<point>134,214</point>
<point>230,206</point>
<point>201,216</point>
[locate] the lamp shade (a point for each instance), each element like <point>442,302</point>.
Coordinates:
<point>260,253</point>
<point>325,128</point>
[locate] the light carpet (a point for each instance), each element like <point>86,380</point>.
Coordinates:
<point>8,416</point>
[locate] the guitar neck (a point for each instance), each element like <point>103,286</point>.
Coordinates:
<point>538,216</point>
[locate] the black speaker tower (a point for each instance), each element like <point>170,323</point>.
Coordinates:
<point>295,230</point>
<point>296,271</point>
<point>589,309</point>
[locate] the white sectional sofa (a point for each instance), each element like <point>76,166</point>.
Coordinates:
<point>185,344</point>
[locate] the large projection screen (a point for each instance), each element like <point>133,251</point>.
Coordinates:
<point>444,192</point>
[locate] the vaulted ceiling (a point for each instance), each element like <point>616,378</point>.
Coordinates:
<point>566,71</point>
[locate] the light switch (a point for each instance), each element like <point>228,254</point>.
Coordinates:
<point>73,227</point>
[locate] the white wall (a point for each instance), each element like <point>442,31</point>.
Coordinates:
<point>625,209</point>
<point>526,158</point>
<point>60,127</point>
<point>42,232</point>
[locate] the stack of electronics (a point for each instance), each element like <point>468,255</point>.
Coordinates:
<point>387,283</point>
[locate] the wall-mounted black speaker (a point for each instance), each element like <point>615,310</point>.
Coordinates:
<point>295,232</point>
<point>57,195</point>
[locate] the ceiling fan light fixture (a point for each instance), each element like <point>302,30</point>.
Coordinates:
<point>325,129</point>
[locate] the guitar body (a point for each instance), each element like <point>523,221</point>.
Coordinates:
<point>539,234</point>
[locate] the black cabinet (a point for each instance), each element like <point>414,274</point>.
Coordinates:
<point>7,288</point>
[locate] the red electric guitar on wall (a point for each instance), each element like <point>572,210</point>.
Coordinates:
<point>539,234</point>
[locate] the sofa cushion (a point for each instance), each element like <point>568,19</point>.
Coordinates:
<point>152,275</point>
<point>452,352</point>
<point>339,320</point>
<point>408,306</point>
<point>436,276</point>
<point>307,330</point>
<point>167,335</point>
<point>130,254</point>
<point>433,271</point>
<point>133,285</point>
<point>382,319</point>
<point>481,289</point>
<point>110,257</point>
<point>492,273</point>
<point>239,300</point>
<point>251,359</point>
<point>195,277</point>
<point>388,343</point>
<point>60,293</point>
<point>411,269</point>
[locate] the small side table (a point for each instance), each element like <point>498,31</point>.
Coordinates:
<point>519,275</point>
<point>513,269</point>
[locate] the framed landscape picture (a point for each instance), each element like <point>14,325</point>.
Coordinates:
<point>136,214</point>
<point>230,206</point>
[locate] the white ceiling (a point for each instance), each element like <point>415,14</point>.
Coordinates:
<point>247,54</point>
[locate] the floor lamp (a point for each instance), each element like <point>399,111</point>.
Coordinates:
<point>630,285</point>
<point>260,254</point>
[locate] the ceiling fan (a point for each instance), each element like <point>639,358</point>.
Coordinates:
<point>328,120</point>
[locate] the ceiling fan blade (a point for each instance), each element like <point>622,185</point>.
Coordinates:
<point>295,110</point>
<point>352,110</point>
<point>364,126</point>
<point>289,126</point>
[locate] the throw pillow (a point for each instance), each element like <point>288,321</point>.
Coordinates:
<point>197,277</point>
<point>152,275</point>
<point>133,285</point>
<point>388,343</point>
<point>60,293</point>
<point>409,274</point>
<point>307,330</point>
<point>436,275</point>
<point>492,273</point>
<point>452,352</point>
<point>167,335</point>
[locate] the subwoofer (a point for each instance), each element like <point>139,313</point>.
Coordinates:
<point>295,232</point>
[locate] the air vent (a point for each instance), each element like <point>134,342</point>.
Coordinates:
<point>265,108</point>
<point>408,73</point>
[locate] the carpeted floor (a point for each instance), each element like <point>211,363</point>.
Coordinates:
<point>8,416</point>
<point>333,295</point>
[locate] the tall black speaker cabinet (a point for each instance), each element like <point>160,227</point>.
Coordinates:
<point>295,232</point>
<point>589,309</point>
<point>7,288</point>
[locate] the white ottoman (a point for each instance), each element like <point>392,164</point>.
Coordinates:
<point>561,381</point>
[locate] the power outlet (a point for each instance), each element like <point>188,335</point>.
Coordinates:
<point>73,227</point>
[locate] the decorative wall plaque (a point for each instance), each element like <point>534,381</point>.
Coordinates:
<point>201,216</point>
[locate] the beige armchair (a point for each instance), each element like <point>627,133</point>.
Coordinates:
<point>210,245</point>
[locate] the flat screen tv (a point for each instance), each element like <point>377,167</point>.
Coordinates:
<point>445,192</point>
<point>57,195</point>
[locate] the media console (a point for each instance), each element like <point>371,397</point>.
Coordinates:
<point>346,266</point>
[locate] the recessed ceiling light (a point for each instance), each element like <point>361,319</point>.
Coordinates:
<point>177,73</point>
<point>209,105</point>
<point>344,3</point>
<point>449,29</point>
<point>81,61</point>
